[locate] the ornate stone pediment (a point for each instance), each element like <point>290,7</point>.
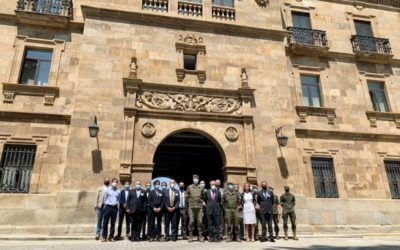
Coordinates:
<point>189,102</point>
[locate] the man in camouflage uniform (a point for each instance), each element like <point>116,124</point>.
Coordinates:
<point>276,214</point>
<point>288,202</point>
<point>231,202</point>
<point>194,197</point>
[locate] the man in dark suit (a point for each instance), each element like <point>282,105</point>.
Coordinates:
<point>122,211</point>
<point>213,211</point>
<point>137,201</point>
<point>266,201</point>
<point>171,204</point>
<point>156,205</point>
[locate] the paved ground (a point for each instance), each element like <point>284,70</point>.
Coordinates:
<point>312,243</point>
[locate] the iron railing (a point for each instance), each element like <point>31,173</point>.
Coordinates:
<point>393,174</point>
<point>52,7</point>
<point>324,178</point>
<point>307,37</point>
<point>16,168</point>
<point>371,45</point>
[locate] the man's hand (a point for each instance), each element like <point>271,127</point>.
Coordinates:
<point>128,211</point>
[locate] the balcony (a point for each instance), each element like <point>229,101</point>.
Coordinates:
<point>53,13</point>
<point>155,5</point>
<point>307,41</point>
<point>223,12</point>
<point>372,49</point>
<point>190,8</point>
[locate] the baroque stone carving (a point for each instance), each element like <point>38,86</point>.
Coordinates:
<point>189,102</point>
<point>148,129</point>
<point>190,38</point>
<point>231,134</point>
<point>244,78</point>
<point>8,97</point>
<point>49,99</point>
<point>133,68</point>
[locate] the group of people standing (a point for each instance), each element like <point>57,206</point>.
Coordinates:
<point>211,214</point>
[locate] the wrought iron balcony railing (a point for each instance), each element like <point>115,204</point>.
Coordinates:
<point>51,7</point>
<point>367,44</point>
<point>310,37</point>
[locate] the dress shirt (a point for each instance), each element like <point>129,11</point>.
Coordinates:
<point>112,196</point>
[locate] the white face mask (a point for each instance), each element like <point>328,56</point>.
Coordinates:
<point>172,185</point>
<point>213,187</point>
<point>114,184</point>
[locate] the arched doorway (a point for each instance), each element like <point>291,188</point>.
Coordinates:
<point>183,154</point>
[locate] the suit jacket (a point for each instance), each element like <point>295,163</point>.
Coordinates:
<point>167,198</point>
<point>156,201</point>
<point>213,207</point>
<point>100,197</point>
<point>137,204</point>
<point>266,203</point>
<point>123,200</point>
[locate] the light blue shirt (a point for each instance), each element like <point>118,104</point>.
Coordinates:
<point>112,196</point>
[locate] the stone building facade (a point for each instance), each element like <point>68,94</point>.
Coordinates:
<point>227,72</point>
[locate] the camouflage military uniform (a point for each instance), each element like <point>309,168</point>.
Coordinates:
<point>276,215</point>
<point>231,202</point>
<point>194,196</point>
<point>288,202</point>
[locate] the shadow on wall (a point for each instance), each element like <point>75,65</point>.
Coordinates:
<point>97,161</point>
<point>283,167</point>
<point>323,247</point>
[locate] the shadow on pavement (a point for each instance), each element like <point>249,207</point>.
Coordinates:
<point>325,247</point>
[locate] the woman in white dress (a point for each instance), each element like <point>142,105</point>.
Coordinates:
<point>249,212</point>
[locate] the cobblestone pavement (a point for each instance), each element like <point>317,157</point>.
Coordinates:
<point>312,243</point>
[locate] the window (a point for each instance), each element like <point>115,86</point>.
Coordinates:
<point>310,90</point>
<point>393,174</point>
<point>377,94</point>
<point>36,67</point>
<point>226,3</point>
<point>324,178</point>
<point>301,20</point>
<point>16,168</point>
<point>363,28</point>
<point>189,62</point>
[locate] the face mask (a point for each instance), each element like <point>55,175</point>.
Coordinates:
<point>181,187</point>
<point>202,185</point>
<point>138,186</point>
<point>163,187</point>
<point>148,187</point>
<point>230,187</point>
<point>172,185</point>
<point>213,187</point>
<point>264,188</point>
<point>107,183</point>
<point>127,187</point>
<point>157,187</point>
<point>255,190</point>
<point>114,184</point>
<point>287,190</point>
<point>195,181</point>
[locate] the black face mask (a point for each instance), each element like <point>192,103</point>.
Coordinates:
<point>264,188</point>
<point>181,188</point>
<point>107,183</point>
<point>287,190</point>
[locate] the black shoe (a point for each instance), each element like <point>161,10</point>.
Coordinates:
<point>167,239</point>
<point>263,240</point>
<point>174,239</point>
<point>137,239</point>
<point>272,239</point>
<point>118,238</point>
<point>185,238</point>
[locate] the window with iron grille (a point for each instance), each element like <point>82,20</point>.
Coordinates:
<point>324,178</point>
<point>393,174</point>
<point>16,168</point>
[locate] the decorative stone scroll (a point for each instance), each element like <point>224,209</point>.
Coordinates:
<point>190,38</point>
<point>231,134</point>
<point>189,102</point>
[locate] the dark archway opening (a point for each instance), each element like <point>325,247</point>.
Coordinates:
<point>186,153</point>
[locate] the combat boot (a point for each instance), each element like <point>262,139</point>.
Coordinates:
<point>295,236</point>
<point>286,236</point>
<point>190,237</point>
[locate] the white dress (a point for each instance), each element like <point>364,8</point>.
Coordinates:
<point>249,211</point>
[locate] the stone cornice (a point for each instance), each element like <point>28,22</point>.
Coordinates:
<point>345,135</point>
<point>150,19</point>
<point>379,4</point>
<point>54,118</point>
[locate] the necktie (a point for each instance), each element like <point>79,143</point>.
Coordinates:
<point>213,195</point>
<point>172,198</point>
